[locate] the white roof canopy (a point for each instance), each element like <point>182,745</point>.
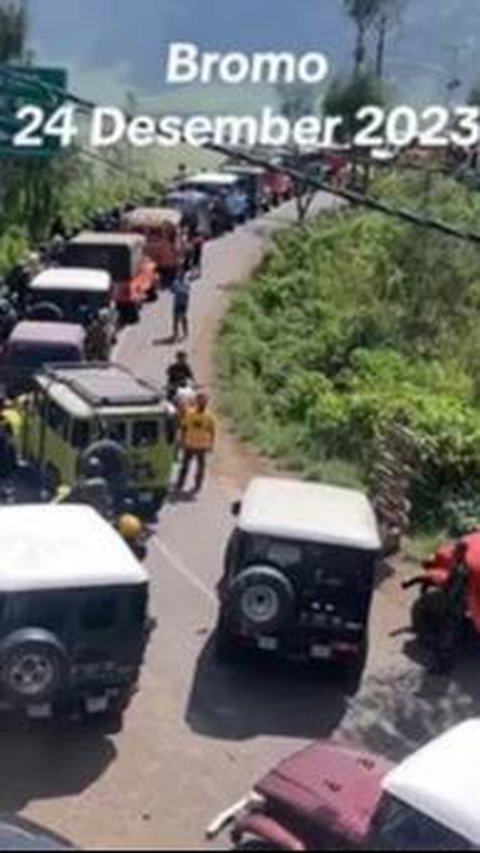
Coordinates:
<point>62,547</point>
<point>72,279</point>
<point>220,178</point>
<point>442,781</point>
<point>291,509</point>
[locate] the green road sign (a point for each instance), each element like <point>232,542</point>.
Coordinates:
<point>22,86</point>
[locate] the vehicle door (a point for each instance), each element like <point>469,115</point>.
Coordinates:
<point>56,448</point>
<point>150,453</point>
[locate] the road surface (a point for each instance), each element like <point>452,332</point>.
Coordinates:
<point>198,735</point>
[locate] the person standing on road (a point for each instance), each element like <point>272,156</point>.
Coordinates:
<point>98,344</point>
<point>181,305</point>
<point>198,431</point>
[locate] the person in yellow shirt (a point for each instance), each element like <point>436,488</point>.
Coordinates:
<point>197,440</point>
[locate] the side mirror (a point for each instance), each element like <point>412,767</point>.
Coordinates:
<point>236,508</point>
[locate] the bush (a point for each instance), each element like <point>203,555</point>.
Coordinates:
<point>353,322</point>
<point>13,248</point>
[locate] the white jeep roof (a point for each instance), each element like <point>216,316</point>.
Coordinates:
<point>71,279</point>
<point>62,547</point>
<point>220,178</point>
<point>442,781</point>
<point>291,509</point>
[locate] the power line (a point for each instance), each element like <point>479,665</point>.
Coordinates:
<point>356,198</point>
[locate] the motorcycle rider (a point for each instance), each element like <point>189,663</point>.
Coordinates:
<point>179,375</point>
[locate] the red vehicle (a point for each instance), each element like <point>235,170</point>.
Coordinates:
<point>124,257</point>
<point>278,186</point>
<point>440,582</point>
<point>334,798</point>
<point>161,228</point>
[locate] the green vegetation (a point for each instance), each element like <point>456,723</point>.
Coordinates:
<point>35,193</point>
<point>352,323</point>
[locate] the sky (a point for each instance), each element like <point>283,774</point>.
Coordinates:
<point>112,46</point>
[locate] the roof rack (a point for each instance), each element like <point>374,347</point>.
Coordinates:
<point>105,384</point>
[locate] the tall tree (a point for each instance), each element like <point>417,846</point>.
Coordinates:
<point>13,29</point>
<point>363,13</point>
<point>347,95</point>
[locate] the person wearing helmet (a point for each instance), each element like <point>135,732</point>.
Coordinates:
<point>130,527</point>
<point>97,344</point>
<point>197,440</point>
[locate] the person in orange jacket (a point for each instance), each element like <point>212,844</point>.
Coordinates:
<point>197,439</point>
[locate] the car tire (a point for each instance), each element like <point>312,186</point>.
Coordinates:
<point>112,458</point>
<point>33,666</point>
<point>46,312</point>
<point>262,599</point>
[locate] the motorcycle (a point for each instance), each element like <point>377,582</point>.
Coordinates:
<point>447,612</point>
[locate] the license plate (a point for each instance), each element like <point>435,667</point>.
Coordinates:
<point>97,705</point>
<point>321,652</point>
<point>267,644</point>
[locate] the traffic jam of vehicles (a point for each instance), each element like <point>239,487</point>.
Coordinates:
<point>87,454</point>
<point>88,448</point>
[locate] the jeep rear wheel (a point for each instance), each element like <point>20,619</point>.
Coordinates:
<point>33,667</point>
<point>262,599</point>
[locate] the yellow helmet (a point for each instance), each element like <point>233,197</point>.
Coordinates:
<point>130,527</point>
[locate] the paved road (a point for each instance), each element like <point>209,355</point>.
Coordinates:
<point>197,735</point>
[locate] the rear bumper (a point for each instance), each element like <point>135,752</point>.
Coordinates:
<point>75,703</point>
<point>306,645</point>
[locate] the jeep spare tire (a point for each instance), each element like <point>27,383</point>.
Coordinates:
<point>33,666</point>
<point>112,458</point>
<point>47,312</point>
<point>261,599</point>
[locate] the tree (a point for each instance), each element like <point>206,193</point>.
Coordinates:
<point>296,101</point>
<point>13,29</point>
<point>347,95</point>
<point>363,13</point>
